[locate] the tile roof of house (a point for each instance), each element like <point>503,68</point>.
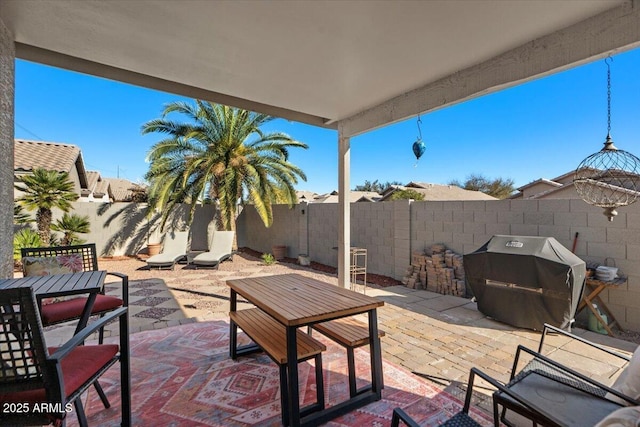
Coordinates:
<point>439,192</point>
<point>354,196</point>
<point>29,155</point>
<point>120,189</point>
<point>307,196</point>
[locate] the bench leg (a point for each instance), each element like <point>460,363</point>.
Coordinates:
<point>284,395</point>
<point>352,371</point>
<point>233,340</point>
<point>319,382</point>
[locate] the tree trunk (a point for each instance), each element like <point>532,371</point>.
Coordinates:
<point>43,219</point>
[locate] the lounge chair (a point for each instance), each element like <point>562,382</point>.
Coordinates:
<point>219,250</point>
<point>548,393</point>
<point>174,249</point>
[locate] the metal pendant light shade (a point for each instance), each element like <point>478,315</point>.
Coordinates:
<point>609,178</point>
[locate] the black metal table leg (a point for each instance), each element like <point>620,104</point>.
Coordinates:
<point>376,355</point>
<point>292,374</point>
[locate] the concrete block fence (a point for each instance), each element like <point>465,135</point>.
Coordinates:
<point>390,231</point>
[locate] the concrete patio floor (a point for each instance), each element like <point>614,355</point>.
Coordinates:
<point>435,336</point>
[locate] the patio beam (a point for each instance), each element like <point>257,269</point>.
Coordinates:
<point>67,62</point>
<point>613,31</point>
<point>7,100</point>
<point>344,209</point>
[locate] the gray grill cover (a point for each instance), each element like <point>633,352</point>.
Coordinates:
<point>526,281</point>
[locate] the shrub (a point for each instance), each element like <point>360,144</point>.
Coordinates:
<point>268,259</point>
<point>25,238</point>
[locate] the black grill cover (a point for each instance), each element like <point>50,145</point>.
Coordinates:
<point>526,281</point>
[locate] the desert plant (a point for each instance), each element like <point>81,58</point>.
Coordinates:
<point>71,225</point>
<point>268,259</point>
<point>25,238</point>
<point>44,190</point>
<point>20,217</point>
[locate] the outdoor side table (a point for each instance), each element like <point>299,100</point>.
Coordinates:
<point>593,289</point>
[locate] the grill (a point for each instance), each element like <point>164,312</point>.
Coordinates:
<point>526,281</point>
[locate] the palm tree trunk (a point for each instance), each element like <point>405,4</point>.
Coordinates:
<point>43,219</point>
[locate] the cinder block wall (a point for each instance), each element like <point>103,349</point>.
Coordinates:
<point>285,230</point>
<point>390,231</point>
<point>124,229</point>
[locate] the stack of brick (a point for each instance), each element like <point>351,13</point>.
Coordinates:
<point>438,270</point>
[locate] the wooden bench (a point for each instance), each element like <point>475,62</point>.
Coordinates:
<point>351,334</point>
<point>269,335</point>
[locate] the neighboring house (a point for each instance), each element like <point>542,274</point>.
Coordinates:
<point>305,196</point>
<point>560,187</point>
<point>30,155</point>
<point>98,189</point>
<point>123,189</point>
<point>354,196</point>
<point>89,185</point>
<point>437,192</point>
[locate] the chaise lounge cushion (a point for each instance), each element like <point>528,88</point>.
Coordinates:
<point>174,249</point>
<point>628,383</point>
<point>623,417</point>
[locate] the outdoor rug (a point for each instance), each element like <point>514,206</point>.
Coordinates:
<point>183,376</point>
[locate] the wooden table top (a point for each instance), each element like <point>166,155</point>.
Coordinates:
<point>296,300</point>
<point>59,284</point>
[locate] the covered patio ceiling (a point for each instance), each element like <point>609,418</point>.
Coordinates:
<point>348,65</point>
<point>362,63</point>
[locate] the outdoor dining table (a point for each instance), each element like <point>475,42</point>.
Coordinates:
<point>88,283</point>
<point>297,301</point>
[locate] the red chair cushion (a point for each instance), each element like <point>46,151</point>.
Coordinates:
<point>72,309</point>
<point>77,368</point>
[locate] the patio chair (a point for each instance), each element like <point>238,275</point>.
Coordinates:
<point>546,392</point>
<point>462,418</point>
<point>38,385</point>
<point>69,259</point>
<point>563,396</point>
<point>220,249</point>
<point>174,249</point>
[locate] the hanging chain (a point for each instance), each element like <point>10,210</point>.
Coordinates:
<point>606,61</point>
<point>419,130</point>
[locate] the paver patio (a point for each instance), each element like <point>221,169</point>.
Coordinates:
<point>435,336</point>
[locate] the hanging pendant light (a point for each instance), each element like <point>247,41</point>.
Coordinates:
<point>609,178</point>
<point>418,146</point>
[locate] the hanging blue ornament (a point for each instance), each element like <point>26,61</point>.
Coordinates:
<point>418,146</point>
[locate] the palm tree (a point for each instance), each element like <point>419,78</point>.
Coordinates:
<point>44,190</point>
<point>20,217</point>
<point>71,226</point>
<point>220,154</point>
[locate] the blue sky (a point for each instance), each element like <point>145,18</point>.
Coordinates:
<point>540,129</point>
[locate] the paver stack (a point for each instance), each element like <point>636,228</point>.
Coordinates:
<point>438,269</point>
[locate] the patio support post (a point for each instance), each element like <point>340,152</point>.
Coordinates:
<point>344,208</point>
<point>7,88</point>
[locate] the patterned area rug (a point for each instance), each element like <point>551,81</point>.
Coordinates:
<point>183,376</point>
